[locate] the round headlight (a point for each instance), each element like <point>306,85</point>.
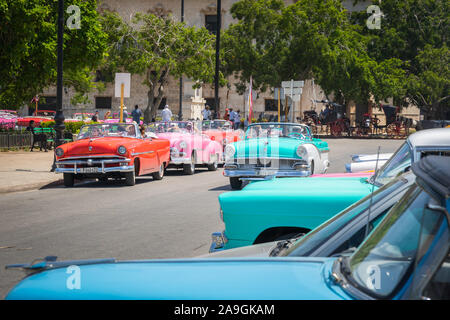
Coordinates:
<point>230,150</point>
<point>183,144</point>
<point>302,152</point>
<point>121,150</point>
<point>59,152</point>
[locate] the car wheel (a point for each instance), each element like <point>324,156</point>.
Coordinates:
<point>130,178</point>
<point>190,167</point>
<point>213,166</point>
<point>69,179</point>
<point>160,174</point>
<point>236,183</point>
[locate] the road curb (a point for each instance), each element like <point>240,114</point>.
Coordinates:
<point>31,186</point>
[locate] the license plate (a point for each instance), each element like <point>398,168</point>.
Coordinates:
<point>89,170</point>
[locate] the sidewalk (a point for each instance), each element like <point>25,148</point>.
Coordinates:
<point>21,171</point>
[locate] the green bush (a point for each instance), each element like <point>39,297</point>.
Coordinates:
<point>72,127</point>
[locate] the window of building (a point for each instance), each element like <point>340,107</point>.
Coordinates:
<point>211,23</point>
<point>271,105</point>
<point>103,102</point>
<point>211,102</point>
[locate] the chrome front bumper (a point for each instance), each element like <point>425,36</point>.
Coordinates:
<point>79,166</point>
<point>234,171</point>
<point>218,242</point>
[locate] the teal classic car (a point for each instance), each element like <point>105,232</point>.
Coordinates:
<point>405,257</point>
<point>275,149</point>
<point>282,208</point>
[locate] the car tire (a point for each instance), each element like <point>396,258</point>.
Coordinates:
<point>236,183</point>
<point>69,179</point>
<point>190,167</point>
<point>213,166</point>
<point>130,178</point>
<point>160,174</point>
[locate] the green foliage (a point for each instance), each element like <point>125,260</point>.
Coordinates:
<point>308,39</point>
<point>158,48</point>
<point>73,126</point>
<point>28,32</point>
<point>417,33</point>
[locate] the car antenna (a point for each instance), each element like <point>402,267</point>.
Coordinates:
<point>371,197</point>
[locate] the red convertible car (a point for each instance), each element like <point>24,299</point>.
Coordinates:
<point>221,131</point>
<point>112,150</point>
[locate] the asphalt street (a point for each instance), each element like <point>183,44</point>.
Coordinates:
<point>171,218</point>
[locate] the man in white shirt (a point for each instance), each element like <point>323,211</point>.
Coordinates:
<point>166,114</point>
<point>206,113</point>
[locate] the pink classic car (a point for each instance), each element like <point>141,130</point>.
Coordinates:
<point>188,146</point>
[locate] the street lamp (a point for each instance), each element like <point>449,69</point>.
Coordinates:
<point>216,77</point>
<point>59,116</point>
<point>180,112</point>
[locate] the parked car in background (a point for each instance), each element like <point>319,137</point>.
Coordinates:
<point>112,150</point>
<point>275,149</point>
<point>189,148</point>
<point>367,162</point>
<point>275,209</point>
<point>38,118</point>
<point>405,257</point>
<point>221,131</point>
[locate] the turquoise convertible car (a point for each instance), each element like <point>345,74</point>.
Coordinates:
<point>405,257</point>
<point>279,209</point>
<point>275,149</point>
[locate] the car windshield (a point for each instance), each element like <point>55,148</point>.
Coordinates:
<point>108,130</point>
<point>388,256</point>
<point>216,124</point>
<point>261,130</point>
<point>396,165</point>
<point>172,127</point>
<point>314,239</point>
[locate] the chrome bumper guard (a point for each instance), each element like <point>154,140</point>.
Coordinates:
<point>218,242</point>
<point>90,163</point>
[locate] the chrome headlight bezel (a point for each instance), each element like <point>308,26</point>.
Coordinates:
<point>182,145</point>
<point>121,150</point>
<point>230,151</point>
<point>302,152</point>
<point>59,152</point>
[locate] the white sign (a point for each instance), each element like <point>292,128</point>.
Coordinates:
<point>295,91</point>
<point>296,98</point>
<point>124,78</point>
<point>295,84</point>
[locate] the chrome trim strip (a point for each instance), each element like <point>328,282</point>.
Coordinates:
<point>98,156</point>
<point>138,153</point>
<point>266,172</point>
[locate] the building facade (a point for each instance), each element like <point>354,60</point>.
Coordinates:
<point>200,13</point>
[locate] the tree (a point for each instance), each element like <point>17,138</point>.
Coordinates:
<point>417,33</point>
<point>157,48</point>
<point>308,39</point>
<point>28,32</point>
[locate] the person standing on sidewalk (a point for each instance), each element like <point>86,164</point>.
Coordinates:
<point>166,114</point>
<point>136,114</point>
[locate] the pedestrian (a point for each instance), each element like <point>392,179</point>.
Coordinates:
<point>226,116</point>
<point>237,119</point>
<point>95,117</point>
<point>232,116</point>
<point>166,114</point>
<point>125,114</point>
<point>206,113</point>
<point>142,130</point>
<point>136,114</point>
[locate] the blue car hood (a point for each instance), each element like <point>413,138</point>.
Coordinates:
<point>189,279</point>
